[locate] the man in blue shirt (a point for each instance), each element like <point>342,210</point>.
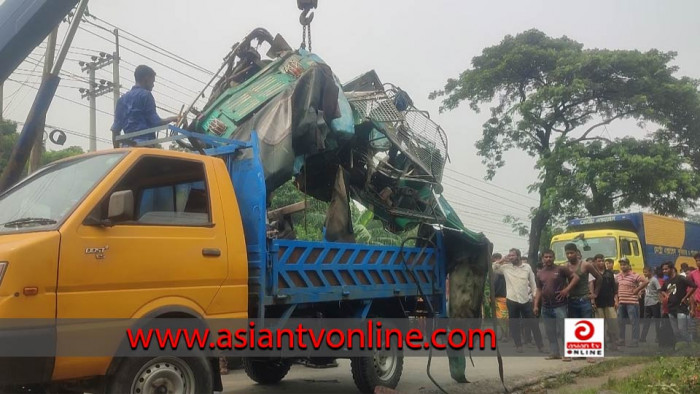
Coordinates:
<point>136,109</point>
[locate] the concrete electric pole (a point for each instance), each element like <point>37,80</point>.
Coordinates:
<point>95,90</point>
<point>115,70</point>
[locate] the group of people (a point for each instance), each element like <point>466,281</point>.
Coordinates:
<point>587,289</point>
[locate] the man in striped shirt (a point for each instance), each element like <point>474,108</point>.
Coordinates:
<point>629,285</point>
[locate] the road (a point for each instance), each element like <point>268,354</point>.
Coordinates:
<point>484,377</point>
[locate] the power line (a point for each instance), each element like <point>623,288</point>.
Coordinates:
<point>485,197</point>
<point>159,77</point>
<point>72,132</point>
<point>490,192</point>
<point>39,83</point>
<point>145,57</point>
<point>458,203</point>
<point>163,52</point>
<point>491,184</point>
<point>13,96</point>
<point>75,102</point>
<point>125,82</point>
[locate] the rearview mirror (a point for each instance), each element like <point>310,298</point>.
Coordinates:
<point>121,206</point>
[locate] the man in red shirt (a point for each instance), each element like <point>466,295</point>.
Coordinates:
<point>629,285</point>
<point>694,277</point>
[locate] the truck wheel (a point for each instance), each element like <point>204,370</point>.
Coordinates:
<point>162,375</point>
<point>384,369</point>
<point>266,370</point>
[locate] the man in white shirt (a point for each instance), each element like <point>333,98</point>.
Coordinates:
<point>520,283</point>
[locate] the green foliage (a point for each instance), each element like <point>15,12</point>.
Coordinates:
<point>552,228</point>
<point>309,225</point>
<point>550,96</point>
<point>611,177</point>
<point>518,226</point>
<point>51,156</point>
<point>8,138</point>
<point>666,375</point>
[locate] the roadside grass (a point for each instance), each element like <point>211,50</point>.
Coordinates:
<point>559,381</point>
<point>606,366</point>
<point>594,370</point>
<point>665,375</point>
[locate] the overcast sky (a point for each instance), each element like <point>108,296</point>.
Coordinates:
<point>416,45</point>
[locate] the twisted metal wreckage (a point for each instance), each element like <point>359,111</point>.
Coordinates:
<point>363,140</point>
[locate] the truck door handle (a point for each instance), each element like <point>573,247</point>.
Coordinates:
<point>211,252</point>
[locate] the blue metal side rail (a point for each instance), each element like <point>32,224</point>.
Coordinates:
<point>303,271</point>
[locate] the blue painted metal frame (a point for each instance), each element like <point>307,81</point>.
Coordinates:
<point>308,272</point>
<point>288,272</point>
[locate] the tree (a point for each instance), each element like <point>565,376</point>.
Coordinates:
<point>603,178</point>
<point>549,94</point>
<point>8,139</point>
<point>51,156</point>
<point>309,225</point>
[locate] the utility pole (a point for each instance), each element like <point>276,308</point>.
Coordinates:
<point>95,90</point>
<point>2,94</point>
<point>115,70</point>
<point>38,148</point>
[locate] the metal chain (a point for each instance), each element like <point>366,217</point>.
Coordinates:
<point>309,32</point>
<point>303,37</point>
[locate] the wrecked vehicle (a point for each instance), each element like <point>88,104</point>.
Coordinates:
<point>363,140</point>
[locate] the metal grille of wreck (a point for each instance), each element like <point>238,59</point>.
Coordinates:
<point>411,129</point>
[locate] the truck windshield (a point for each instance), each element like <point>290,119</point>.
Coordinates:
<point>607,246</point>
<point>43,200</point>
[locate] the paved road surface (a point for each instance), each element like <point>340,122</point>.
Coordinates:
<point>484,377</point>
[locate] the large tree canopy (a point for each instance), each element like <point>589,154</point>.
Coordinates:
<point>600,178</point>
<point>550,95</point>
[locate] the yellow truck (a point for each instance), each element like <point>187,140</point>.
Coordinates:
<point>145,234</point>
<point>647,240</point>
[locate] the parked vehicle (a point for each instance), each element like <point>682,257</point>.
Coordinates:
<point>647,240</point>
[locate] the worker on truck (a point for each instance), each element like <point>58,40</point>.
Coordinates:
<point>136,109</point>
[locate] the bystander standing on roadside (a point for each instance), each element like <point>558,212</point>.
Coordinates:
<point>553,286</point>
<point>499,291</point>
<point>629,285</point>
<point>527,332</point>
<point>680,301</point>
<point>520,281</point>
<point>580,298</point>
<point>652,305</point>
<point>605,303</point>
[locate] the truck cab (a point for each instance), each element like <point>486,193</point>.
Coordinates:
<point>613,244</point>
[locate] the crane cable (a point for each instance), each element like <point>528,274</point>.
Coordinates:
<point>305,19</point>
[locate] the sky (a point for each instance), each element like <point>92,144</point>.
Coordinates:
<point>416,45</point>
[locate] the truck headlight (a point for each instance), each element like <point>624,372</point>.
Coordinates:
<point>3,268</point>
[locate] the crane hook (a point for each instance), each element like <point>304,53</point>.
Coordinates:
<point>306,6</point>
<point>305,18</point>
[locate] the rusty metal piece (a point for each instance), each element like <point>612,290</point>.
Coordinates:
<point>217,127</point>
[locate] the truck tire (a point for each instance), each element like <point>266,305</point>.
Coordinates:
<point>266,370</point>
<point>381,370</point>
<point>139,375</point>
